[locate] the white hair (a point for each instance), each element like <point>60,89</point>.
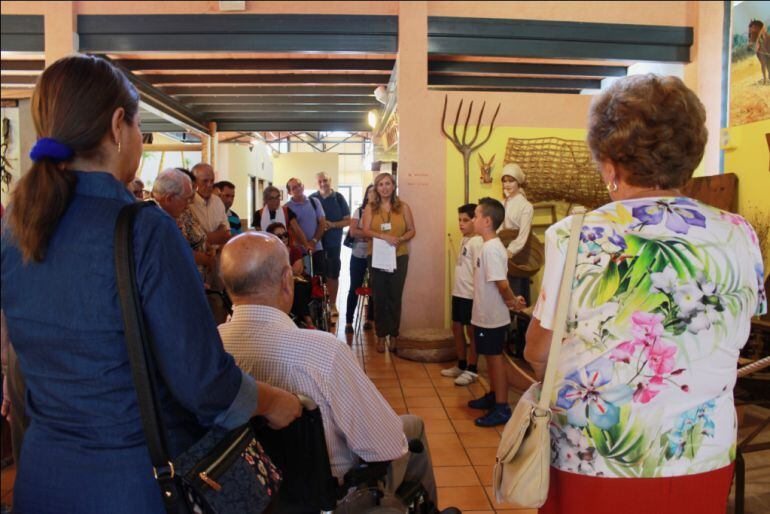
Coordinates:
<point>322,174</point>
<point>169,182</point>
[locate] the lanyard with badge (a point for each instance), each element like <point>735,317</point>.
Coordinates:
<point>385,226</point>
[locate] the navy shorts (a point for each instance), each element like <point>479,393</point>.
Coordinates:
<point>461,310</point>
<point>333,263</point>
<point>490,341</point>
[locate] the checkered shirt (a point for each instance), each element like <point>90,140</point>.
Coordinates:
<point>357,420</point>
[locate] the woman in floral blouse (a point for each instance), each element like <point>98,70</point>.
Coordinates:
<point>664,290</point>
<point>195,235</point>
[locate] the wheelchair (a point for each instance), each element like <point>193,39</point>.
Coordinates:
<point>308,486</point>
<point>319,306</point>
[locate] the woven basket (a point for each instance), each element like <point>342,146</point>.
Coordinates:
<point>427,345</point>
<point>558,169</point>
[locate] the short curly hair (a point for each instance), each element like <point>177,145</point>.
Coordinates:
<point>654,127</point>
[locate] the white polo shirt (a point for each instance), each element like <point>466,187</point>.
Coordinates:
<point>489,309</point>
<point>211,213</point>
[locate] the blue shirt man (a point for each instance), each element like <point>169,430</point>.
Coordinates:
<point>336,209</point>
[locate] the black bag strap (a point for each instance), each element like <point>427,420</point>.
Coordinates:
<point>140,357</point>
<point>313,199</point>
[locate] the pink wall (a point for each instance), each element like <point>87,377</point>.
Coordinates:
<point>637,13</point>
<point>203,7</point>
<point>704,73</point>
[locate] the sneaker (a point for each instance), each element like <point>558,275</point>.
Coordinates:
<point>466,378</point>
<point>486,402</point>
<point>496,416</point>
<point>452,372</point>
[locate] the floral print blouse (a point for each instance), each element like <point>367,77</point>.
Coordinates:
<point>194,233</point>
<point>661,304</point>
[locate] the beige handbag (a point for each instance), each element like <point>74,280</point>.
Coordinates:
<point>523,459</point>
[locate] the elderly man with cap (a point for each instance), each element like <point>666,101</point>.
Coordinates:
<point>518,216</point>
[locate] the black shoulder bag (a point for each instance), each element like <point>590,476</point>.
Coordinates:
<point>349,240</point>
<point>225,471</point>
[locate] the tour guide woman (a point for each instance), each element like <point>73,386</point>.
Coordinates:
<point>85,450</point>
<point>664,291</point>
<point>390,219</point>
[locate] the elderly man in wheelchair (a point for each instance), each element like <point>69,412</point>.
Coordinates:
<point>352,420</point>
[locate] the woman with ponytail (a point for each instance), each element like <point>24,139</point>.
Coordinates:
<point>84,450</point>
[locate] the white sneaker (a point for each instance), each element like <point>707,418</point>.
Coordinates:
<point>452,372</point>
<point>466,378</point>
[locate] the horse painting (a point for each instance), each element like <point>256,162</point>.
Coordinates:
<point>759,41</point>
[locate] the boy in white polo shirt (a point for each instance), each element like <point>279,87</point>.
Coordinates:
<point>492,300</point>
<point>465,372</point>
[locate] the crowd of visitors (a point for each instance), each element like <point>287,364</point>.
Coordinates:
<point>658,310</point>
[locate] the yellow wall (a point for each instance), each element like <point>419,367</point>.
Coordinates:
<point>304,166</point>
<point>749,160</point>
<point>455,189</point>
<point>237,163</point>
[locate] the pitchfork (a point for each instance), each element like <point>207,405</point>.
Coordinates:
<point>467,148</point>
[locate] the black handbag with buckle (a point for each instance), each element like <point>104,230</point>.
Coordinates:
<point>225,471</point>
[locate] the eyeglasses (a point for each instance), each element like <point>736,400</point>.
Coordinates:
<point>282,235</point>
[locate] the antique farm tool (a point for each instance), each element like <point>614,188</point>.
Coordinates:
<point>464,146</point>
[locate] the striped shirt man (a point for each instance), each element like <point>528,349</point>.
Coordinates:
<point>358,421</point>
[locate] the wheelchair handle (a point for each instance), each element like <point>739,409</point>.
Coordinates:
<point>259,422</point>
<point>307,403</point>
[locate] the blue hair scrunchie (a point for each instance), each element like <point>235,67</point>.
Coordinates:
<point>47,148</point>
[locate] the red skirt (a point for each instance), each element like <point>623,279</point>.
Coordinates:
<point>704,493</point>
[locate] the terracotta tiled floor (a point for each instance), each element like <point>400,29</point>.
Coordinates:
<point>463,454</point>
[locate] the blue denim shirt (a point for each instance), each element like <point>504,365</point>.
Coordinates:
<point>85,449</point>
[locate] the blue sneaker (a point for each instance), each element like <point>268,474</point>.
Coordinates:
<point>486,402</point>
<point>496,416</point>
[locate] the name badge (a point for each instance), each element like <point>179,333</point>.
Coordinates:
<point>385,227</point>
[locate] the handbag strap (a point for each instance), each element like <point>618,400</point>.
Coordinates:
<point>562,305</point>
<point>140,355</point>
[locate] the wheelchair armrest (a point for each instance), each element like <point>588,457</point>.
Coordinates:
<point>368,473</point>
<point>365,473</point>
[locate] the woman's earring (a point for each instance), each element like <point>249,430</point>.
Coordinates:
<point>119,152</point>
<point>612,188</point>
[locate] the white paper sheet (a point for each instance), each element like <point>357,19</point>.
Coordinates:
<point>383,255</point>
